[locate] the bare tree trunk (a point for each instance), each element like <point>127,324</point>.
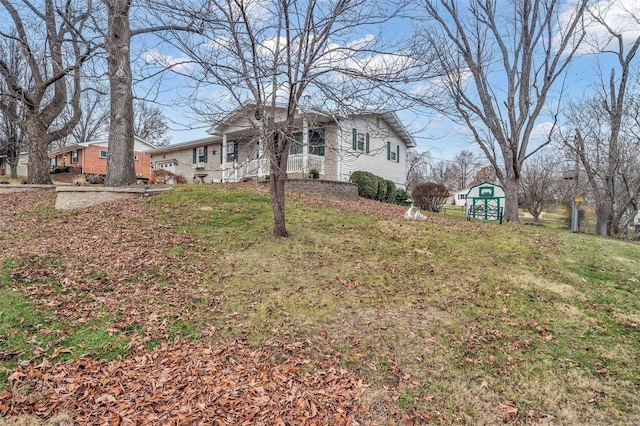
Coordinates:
<point>277,184</point>
<point>511,199</point>
<point>279,158</point>
<point>120,164</point>
<point>603,214</point>
<point>38,166</point>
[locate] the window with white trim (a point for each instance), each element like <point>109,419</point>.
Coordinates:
<point>103,154</point>
<point>74,156</point>
<point>393,152</point>
<point>360,141</point>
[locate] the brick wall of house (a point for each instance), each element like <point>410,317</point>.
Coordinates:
<point>94,164</point>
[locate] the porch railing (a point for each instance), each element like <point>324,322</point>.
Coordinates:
<point>297,163</point>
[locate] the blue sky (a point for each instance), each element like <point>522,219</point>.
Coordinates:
<point>433,132</point>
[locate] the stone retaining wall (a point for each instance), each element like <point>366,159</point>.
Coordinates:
<point>7,189</point>
<point>321,187</point>
<point>77,197</point>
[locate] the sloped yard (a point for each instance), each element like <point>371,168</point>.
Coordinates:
<point>182,309</point>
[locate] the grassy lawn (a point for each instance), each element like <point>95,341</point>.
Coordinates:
<point>445,321</point>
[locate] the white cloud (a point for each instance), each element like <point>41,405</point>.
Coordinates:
<point>180,64</point>
<point>621,16</point>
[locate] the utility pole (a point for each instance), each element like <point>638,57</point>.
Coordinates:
<point>574,199</point>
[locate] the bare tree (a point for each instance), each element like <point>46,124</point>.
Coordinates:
<point>272,54</point>
<point>94,122</point>
<point>501,60</point>
<point>464,167</point>
<point>149,123</point>
<point>417,167</point>
<point>537,183</point>
<point>615,196</point>
<point>606,140</point>
<point>484,174</point>
<point>53,46</point>
<point>120,162</point>
<point>442,173</point>
<point>12,139</point>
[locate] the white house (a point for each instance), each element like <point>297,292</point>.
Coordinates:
<point>335,146</point>
<point>459,198</point>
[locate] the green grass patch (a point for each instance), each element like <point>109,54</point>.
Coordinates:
<point>447,317</point>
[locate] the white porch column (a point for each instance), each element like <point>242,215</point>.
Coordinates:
<point>223,166</point>
<point>305,145</point>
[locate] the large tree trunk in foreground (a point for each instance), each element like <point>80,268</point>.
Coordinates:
<point>510,213</point>
<point>120,163</point>
<point>38,166</point>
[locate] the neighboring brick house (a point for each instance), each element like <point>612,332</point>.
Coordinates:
<point>90,158</point>
<point>336,146</point>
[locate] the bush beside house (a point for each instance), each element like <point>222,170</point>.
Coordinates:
<point>374,187</point>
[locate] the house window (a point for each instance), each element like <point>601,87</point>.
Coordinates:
<point>200,155</point>
<point>74,157</point>
<point>316,142</point>
<point>360,141</point>
<point>232,152</point>
<point>103,154</point>
<point>135,157</point>
<point>462,196</point>
<point>393,152</point>
<point>296,144</point>
<point>52,163</point>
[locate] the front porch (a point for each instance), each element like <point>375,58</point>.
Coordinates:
<point>298,165</point>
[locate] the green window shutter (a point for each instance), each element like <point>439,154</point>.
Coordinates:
<point>195,155</point>
<point>397,153</point>
<point>206,154</point>
<point>221,153</point>
<point>388,150</point>
<point>367,143</point>
<point>354,143</point>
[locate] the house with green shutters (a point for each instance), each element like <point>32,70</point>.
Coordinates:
<point>334,145</point>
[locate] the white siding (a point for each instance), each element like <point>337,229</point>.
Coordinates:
<point>183,162</point>
<point>375,161</point>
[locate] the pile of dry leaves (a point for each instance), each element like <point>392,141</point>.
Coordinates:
<point>189,383</point>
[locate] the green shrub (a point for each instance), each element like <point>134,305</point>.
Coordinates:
<point>401,197</point>
<point>429,196</point>
<point>391,192</point>
<point>314,174</point>
<point>374,187</point>
<point>381,195</point>
<point>367,184</point>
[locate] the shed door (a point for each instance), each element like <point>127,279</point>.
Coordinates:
<point>485,208</point>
